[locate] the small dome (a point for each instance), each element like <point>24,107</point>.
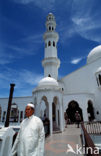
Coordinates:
<point>94,54</point>
<point>48,81</point>
<point>50,17</point>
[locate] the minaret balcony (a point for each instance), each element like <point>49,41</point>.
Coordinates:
<point>48,35</point>
<point>51,60</point>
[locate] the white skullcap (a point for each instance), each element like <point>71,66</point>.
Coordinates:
<point>31,105</point>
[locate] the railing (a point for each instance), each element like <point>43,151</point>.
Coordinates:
<point>90,148</point>
<point>93,127</point>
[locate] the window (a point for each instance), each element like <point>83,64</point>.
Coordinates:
<point>100,79</point>
<point>53,44</point>
<point>52,28</point>
<point>49,43</point>
<point>49,75</point>
<point>14,113</point>
<point>49,28</point>
<point>62,89</point>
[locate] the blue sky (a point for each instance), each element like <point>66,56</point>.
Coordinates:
<point>22,25</point>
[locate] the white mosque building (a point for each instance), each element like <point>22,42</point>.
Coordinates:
<point>78,91</point>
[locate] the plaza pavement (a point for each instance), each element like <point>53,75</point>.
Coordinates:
<point>56,145</point>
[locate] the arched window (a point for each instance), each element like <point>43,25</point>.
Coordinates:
<point>49,75</point>
<point>49,28</point>
<point>53,44</point>
<point>49,43</point>
<point>52,28</point>
<point>14,113</point>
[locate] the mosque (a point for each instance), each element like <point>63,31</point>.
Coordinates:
<point>79,91</point>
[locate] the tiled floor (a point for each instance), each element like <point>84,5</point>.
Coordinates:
<point>57,144</point>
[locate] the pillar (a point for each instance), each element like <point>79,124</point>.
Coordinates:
<point>37,111</point>
<point>61,115</point>
<point>85,114</point>
<point>50,115</point>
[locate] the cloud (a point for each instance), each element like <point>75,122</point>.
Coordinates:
<point>36,38</point>
<point>23,78</point>
<point>5,57</point>
<point>25,46</point>
<point>43,4</point>
<point>25,81</point>
<point>76,60</point>
<point>86,21</point>
<point>29,77</point>
<point>65,32</point>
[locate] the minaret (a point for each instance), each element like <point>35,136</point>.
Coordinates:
<point>51,63</point>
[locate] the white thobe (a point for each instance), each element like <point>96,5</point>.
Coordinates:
<point>30,139</point>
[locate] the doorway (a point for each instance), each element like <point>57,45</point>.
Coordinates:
<point>73,106</point>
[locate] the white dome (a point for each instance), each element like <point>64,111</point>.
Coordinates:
<point>47,81</point>
<point>94,54</point>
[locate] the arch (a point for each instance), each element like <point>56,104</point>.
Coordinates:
<point>73,106</point>
<point>56,114</point>
<point>49,43</point>
<point>14,114</point>
<point>44,109</point>
<point>90,110</point>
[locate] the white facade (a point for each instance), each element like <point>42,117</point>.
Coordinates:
<point>80,90</point>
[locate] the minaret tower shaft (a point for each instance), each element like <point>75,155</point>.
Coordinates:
<point>51,63</point>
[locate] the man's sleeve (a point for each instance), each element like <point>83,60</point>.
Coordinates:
<point>41,140</point>
<point>15,146</point>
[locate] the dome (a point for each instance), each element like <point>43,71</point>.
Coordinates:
<point>50,17</point>
<point>94,54</point>
<point>47,81</point>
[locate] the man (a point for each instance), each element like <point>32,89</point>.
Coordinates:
<point>30,139</point>
<point>78,118</point>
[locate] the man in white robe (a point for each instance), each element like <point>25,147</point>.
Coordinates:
<point>30,139</point>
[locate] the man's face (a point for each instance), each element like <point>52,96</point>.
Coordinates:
<point>29,111</point>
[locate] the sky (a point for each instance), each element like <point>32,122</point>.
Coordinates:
<point>22,25</point>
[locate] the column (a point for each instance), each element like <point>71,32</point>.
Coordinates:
<point>56,114</point>
<point>85,114</point>
<point>50,115</point>
<point>61,116</point>
<point>38,107</point>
